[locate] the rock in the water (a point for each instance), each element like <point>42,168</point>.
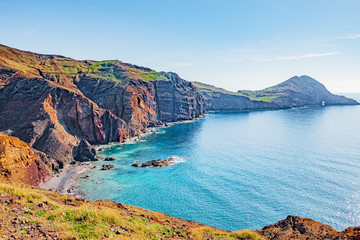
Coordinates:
<point>135,165</point>
<point>107,167</point>
<point>159,163</point>
<point>109,159</point>
<point>100,149</point>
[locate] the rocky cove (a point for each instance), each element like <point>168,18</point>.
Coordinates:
<point>61,108</point>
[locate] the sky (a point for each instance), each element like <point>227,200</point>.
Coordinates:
<point>233,44</point>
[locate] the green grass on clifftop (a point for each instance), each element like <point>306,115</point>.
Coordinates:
<point>62,68</point>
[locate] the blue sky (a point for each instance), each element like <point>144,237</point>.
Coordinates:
<point>234,44</point>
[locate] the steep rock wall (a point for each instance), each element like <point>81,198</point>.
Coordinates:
<point>142,104</point>
<point>54,120</point>
<point>20,163</point>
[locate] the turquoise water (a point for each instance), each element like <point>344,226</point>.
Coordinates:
<point>244,169</point>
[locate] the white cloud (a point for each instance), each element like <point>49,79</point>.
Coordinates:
<point>354,36</point>
<point>288,58</point>
<point>312,55</point>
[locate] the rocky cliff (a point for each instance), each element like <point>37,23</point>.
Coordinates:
<point>20,163</point>
<point>55,103</point>
<point>221,99</point>
<point>295,92</point>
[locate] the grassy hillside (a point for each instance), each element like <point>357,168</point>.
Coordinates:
<point>61,68</point>
<point>33,213</point>
<point>207,88</point>
<point>265,95</point>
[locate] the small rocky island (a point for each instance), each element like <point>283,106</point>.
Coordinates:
<point>107,167</point>
<point>156,163</point>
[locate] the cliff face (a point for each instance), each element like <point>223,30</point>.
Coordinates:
<point>295,92</point>
<point>55,103</point>
<point>20,163</point>
<point>221,99</point>
<point>145,103</point>
<point>53,119</point>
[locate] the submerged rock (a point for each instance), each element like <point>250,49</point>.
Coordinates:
<point>159,163</point>
<point>135,165</point>
<point>109,159</point>
<point>107,167</point>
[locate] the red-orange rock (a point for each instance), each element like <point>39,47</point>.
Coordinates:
<point>20,163</point>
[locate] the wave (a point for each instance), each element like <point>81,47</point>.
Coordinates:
<point>177,160</point>
<point>159,131</point>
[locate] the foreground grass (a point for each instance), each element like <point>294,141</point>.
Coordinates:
<point>33,213</point>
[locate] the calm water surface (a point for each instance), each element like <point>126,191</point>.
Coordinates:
<point>244,169</point>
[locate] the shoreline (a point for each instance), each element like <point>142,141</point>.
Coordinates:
<point>149,130</point>
<point>67,181</point>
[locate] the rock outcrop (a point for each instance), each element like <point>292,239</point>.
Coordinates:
<point>159,163</point>
<point>85,152</point>
<point>20,163</point>
<point>294,227</point>
<point>107,167</point>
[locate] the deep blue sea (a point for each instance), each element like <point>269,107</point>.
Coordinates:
<point>244,169</point>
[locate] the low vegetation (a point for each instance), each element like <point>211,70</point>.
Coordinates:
<point>60,69</point>
<point>203,87</point>
<point>32,213</point>
<point>265,95</point>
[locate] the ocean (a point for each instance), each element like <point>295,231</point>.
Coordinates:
<point>243,169</point>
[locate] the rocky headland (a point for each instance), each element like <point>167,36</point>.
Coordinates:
<point>62,107</point>
<point>54,110</point>
<point>294,92</point>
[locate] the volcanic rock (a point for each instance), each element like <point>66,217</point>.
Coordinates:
<point>107,167</point>
<point>20,163</point>
<point>159,163</point>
